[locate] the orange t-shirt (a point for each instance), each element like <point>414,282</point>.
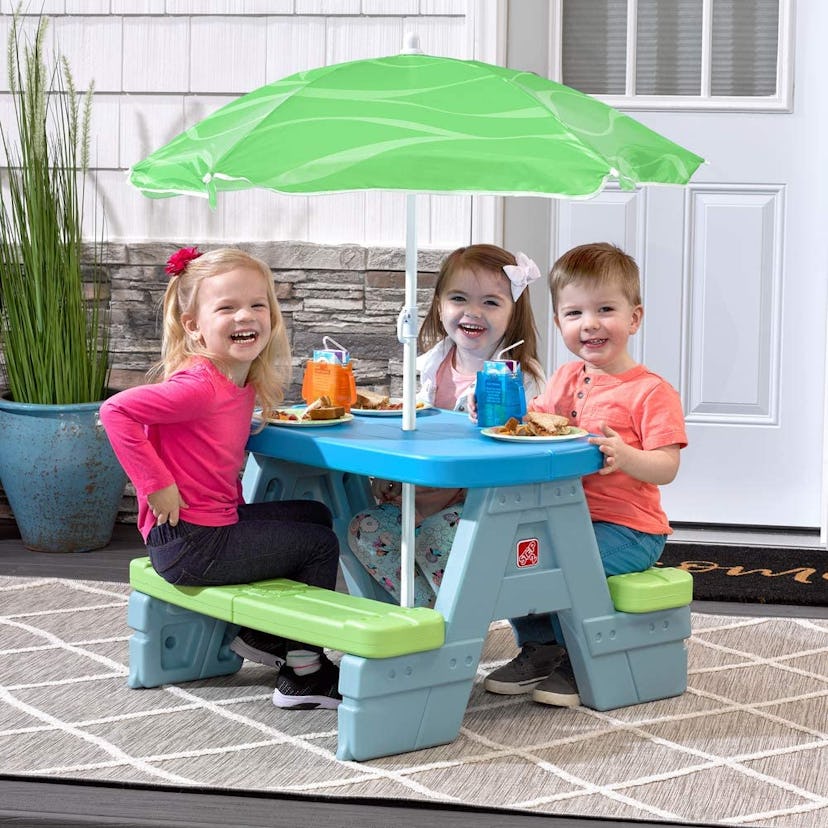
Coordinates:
<point>646,412</point>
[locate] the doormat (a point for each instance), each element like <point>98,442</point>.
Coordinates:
<point>753,574</point>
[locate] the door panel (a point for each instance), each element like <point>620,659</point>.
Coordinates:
<point>734,277</point>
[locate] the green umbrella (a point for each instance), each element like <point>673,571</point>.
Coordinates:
<point>415,123</point>
<point>418,124</point>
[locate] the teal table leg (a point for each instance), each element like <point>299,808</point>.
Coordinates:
<point>396,705</point>
<point>552,564</point>
<point>520,550</point>
<point>170,644</point>
<point>421,699</point>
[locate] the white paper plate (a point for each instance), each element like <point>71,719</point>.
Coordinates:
<point>514,438</point>
<point>385,412</point>
<point>299,410</point>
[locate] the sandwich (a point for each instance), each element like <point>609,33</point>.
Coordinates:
<point>536,424</point>
<point>323,409</point>
<point>370,400</point>
<point>546,425</point>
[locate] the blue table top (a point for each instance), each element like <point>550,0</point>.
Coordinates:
<point>446,450</point>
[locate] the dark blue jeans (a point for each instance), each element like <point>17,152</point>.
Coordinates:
<point>275,539</point>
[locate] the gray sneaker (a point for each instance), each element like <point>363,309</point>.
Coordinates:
<point>526,670</point>
<point>261,647</point>
<point>559,688</point>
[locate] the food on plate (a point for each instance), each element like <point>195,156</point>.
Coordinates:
<point>328,412</point>
<point>536,424</point>
<point>370,400</point>
<point>323,408</point>
<point>547,425</point>
<point>320,409</point>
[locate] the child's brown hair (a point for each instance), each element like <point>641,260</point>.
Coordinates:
<point>521,324</point>
<point>598,262</point>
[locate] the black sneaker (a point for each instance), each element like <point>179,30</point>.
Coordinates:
<point>526,670</point>
<point>559,687</point>
<point>261,647</point>
<point>308,692</point>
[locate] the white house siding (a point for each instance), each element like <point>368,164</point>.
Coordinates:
<point>161,65</point>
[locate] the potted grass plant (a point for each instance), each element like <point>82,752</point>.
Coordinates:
<point>62,481</point>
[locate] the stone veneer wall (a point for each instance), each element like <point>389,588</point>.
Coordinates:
<point>350,293</point>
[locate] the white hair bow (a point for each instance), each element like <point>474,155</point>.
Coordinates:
<point>522,274</point>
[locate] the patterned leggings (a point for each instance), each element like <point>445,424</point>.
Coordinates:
<point>374,536</point>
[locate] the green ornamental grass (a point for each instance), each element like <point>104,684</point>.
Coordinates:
<point>54,324</point>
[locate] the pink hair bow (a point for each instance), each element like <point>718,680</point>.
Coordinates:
<point>522,274</point>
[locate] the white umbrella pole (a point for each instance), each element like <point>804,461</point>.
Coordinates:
<point>407,334</point>
<point>407,329</point>
<point>407,547</point>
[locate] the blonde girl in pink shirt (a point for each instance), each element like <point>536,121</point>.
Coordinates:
<point>480,306</point>
<point>182,442</point>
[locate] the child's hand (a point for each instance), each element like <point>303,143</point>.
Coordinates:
<point>658,466</point>
<point>386,491</point>
<point>471,405</point>
<point>616,452</point>
<point>166,504</point>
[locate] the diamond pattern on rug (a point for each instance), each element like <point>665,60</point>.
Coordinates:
<point>747,744</point>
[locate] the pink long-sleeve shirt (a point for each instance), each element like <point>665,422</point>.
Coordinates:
<point>191,430</point>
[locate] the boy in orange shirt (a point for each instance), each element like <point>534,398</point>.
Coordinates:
<point>596,299</point>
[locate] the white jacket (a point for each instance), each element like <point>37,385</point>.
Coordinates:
<point>429,363</point>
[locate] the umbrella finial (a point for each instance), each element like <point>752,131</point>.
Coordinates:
<point>411,44</point>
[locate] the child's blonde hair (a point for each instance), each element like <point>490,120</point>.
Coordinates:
<point>598,262</point>
<point>521,323</point>
<point>270,371</point>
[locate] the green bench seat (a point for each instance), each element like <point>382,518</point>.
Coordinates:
<point>654,589</point>
<point>339,621</point>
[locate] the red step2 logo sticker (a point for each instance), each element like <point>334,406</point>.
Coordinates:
<point>528,552</point>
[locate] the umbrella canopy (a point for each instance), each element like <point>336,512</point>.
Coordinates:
<point>416,123</point>
<point>419,124</point>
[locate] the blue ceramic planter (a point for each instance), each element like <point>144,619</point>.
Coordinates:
<point>62,479</point>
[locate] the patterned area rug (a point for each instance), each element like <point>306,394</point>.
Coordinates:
<point>747,744</point>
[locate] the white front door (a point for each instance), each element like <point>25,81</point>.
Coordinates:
<point>736,296</point>
<point>753,317</point>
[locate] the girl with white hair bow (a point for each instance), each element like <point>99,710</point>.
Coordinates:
<point>480,307</point>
